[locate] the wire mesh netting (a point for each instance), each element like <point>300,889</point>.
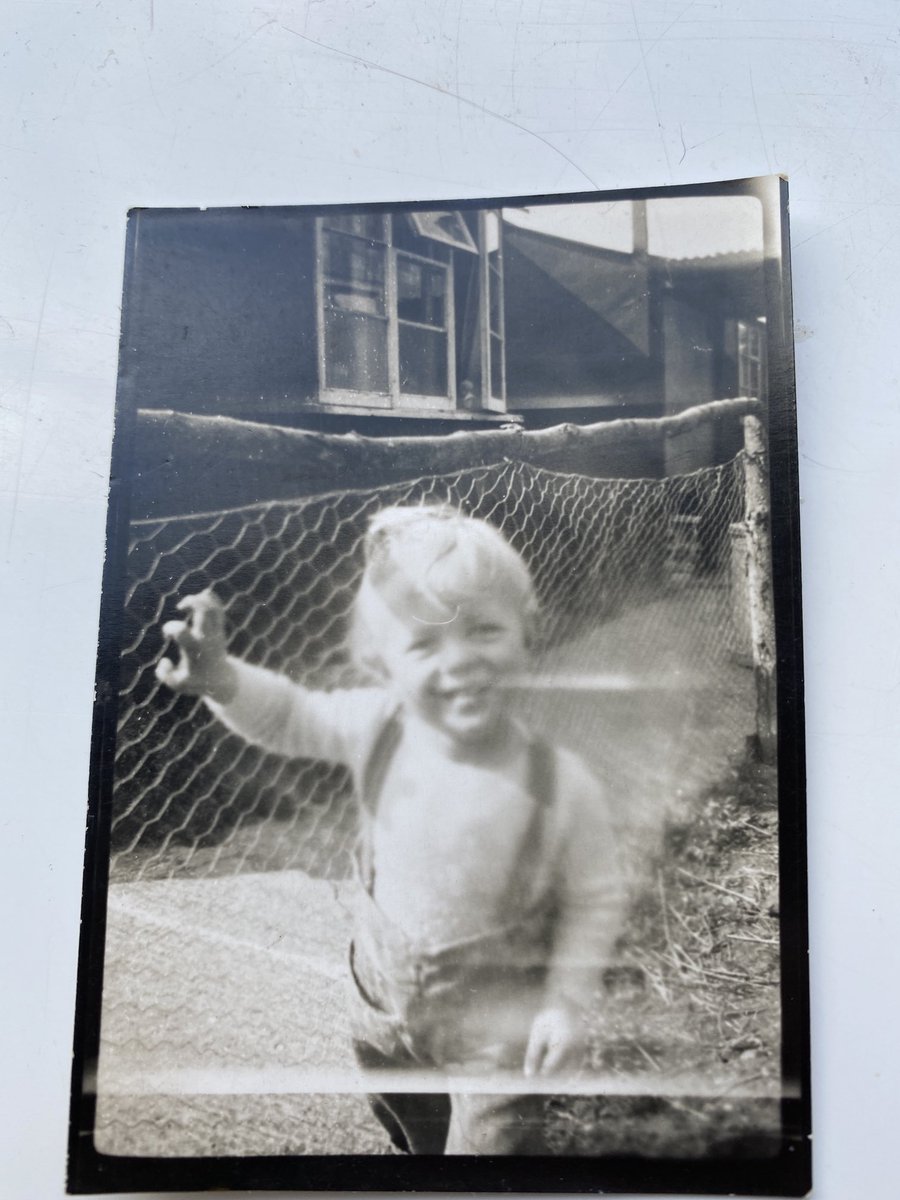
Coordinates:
<point>223,1018</point>
<point>640,603</point>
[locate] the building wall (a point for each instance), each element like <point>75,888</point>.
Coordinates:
<point>196,341</point>
<point>689,379</point>
<point>578,329</point>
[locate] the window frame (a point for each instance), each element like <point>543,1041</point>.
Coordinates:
<point>751,359</point>
<point>489,401</point>
<point>395,398</point>
<point>347,397</point>
<point>418,399</point>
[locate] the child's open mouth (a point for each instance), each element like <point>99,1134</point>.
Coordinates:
<point>468,694</point>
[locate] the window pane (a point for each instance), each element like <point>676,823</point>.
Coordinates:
<point>751,360</point>
<point>446,227</point>
<point>423,361</point>
<point>367,225</point>
<point>494,287</point>
<point>492,232</point>
<point>354,269</point>
<point>497,368</point>
<point>421,292</point>
<point>466,276</point>
<point>405,236</point>
<point>355,351</point>
<point>346,298</point>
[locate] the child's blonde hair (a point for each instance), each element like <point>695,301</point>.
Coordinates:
<point>439,553</point>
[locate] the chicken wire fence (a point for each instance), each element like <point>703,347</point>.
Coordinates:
<point>641,667</point>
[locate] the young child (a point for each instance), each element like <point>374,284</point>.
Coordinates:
<point>489,898</point>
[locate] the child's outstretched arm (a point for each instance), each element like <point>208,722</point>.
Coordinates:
<point>203,668</point>
<point>260,705</point>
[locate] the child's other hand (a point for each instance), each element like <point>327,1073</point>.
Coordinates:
<point>557,1040</point>
<point>203,668</point>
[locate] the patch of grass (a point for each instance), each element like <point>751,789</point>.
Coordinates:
<point>695,995</point>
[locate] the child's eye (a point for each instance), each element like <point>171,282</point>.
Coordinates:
<point>487,629</point>
<point>420,645</point>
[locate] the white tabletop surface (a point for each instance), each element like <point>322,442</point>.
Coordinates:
<point>116,103</point>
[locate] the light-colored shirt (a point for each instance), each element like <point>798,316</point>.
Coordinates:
<point>446,833</point>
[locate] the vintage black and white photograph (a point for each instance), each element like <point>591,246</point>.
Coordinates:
<point>447,790</point>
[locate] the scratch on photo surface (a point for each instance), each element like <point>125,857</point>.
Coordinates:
<point>825,228</point>
<point>653,100</point>
<point>836,466</point>
<point>17,479</point>
<point>436,87</point>
<point>228,54</point>
<point>646,47</point>
<point>762,133</point>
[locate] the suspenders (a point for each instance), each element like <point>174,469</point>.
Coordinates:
<point>371,779</point>
<point>541,786</point>
<point>533,846</point>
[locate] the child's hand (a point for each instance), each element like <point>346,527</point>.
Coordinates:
<point>557,1040</point>
<point>203,668</point>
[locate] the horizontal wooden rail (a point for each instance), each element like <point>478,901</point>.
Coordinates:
<point>185,463</point>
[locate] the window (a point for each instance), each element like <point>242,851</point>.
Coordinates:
<point>495,324</point>
<point>751,358</point>
<point>388,309</point>
<point>446,227</point>
<point>423,352</point>
<point>353,305</point>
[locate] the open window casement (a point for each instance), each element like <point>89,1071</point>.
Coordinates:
<point>410,312</point>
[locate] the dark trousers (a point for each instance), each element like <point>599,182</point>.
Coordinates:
<point>462,1123</point>
<point>461,1010</point>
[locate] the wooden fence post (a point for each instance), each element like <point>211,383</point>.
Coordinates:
<point>761,609</point>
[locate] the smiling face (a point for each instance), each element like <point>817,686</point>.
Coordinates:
<point>447,664</point>
<point>443,614</point>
